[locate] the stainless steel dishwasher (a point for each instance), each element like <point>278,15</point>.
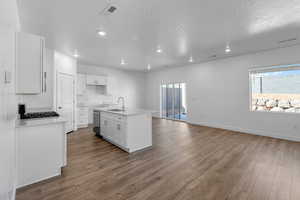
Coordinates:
<point>97,123</point>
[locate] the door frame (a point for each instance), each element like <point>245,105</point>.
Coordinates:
<point>74,96</point>
<point>173,97</point>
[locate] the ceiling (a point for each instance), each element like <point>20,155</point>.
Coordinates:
<point>181,28</point>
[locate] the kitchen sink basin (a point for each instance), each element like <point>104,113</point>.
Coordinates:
<point>116,110</point>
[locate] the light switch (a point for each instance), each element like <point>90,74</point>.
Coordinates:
<point>8,77</point>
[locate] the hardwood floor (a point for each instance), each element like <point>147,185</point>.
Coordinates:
<point>186,162</point>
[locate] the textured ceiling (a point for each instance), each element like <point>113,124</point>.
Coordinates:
<point>181,28</point>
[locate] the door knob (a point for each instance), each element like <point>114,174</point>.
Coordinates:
<point>59,107</point>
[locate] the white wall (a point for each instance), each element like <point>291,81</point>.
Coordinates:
<point>65,64</point>
<point>128,84</point>
<point>218,93</point>
<point>9,16</point>
<point>8,25</point>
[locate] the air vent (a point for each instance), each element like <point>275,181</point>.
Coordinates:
<point>287,40</point>
<point>112,9</point>
<point>109,9</point>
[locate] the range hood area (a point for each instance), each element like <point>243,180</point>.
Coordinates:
<point>86,80</point>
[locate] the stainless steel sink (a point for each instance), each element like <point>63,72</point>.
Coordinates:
<point>116,110</point>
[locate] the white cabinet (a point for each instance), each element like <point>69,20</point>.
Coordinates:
<point>43,100</point>
<point>131,133</point>
<point>41,152</point>
<point>82,117</point>
<point>104,127</point>
<point>113,127</point>
<point>96,80</point>
<point>119,132</point>
<point>29,64</point>
<point>81,84</point>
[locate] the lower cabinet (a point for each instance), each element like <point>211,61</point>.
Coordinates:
<point>114,129</point>
<point>41,152</point>
<point>119,133</point>
<point>129,132</point>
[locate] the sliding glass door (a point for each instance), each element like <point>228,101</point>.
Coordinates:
<point>173,101</point>
<point>169,102</point>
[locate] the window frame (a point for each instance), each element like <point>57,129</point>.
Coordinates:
<point>269,69</point>
<point>173,97</point>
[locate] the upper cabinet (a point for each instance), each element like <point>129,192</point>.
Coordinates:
<point>96,80</point>
<point>30,77</point>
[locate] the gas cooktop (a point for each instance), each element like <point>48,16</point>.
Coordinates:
<point>36,115</point>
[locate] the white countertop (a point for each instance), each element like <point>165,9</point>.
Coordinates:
<point>38,122</point>
<point>127,112</point>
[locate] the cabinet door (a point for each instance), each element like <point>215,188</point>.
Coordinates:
<point>44,100</point>
<point>119,133</point>
<point>37,158</point>
<point>105,126</point>
<point>29,63</point>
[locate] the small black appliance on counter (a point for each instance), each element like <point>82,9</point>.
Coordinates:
<point>21,110</point>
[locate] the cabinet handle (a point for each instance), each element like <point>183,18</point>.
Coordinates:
<point>45,81</point>
<point>42,64</point>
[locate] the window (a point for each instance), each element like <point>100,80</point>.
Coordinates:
<point>276,89</point>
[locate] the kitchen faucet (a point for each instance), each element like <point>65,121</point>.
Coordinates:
<point>123,102</point>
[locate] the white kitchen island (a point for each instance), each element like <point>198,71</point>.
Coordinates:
<point>41,149</point>
<point>131,130</point>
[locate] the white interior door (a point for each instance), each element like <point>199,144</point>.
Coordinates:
<point>65,99</point>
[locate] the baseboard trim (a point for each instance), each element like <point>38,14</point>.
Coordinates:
<point>54,175</point>
<point>246,131</point>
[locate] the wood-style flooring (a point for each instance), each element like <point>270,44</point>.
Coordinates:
<point>186,162</point>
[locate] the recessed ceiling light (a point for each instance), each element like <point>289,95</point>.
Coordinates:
<point>149,67</point>
<point>227,50</point>
<point>101,33</point>
<point>159,50</point>
<point>191,59</point>
<point>123,62</point>
<point>76,55</point>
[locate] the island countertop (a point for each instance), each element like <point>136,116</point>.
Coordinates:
<point>38,122</point>
<point>126,112</point>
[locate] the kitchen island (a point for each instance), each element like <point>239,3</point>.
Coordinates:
<point>129,129</point>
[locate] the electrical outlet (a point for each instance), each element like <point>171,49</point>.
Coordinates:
<point>7,79</point>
